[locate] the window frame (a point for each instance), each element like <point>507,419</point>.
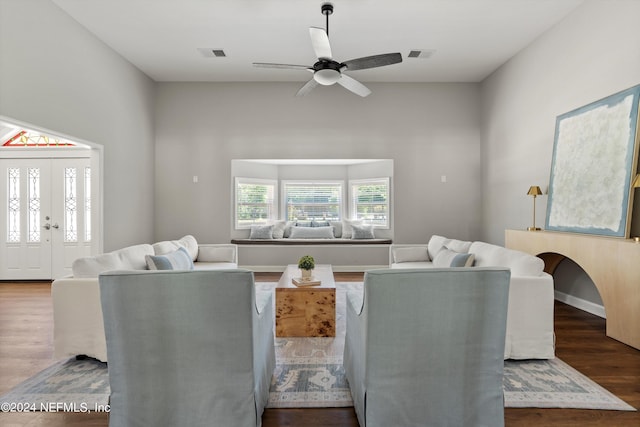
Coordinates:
<point>353,205</point>
<point>273,216</point>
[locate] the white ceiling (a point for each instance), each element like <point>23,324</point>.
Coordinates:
<point>471,37</point>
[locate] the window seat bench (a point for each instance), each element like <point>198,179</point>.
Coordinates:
<point>344,255</point>
<point>289,241</point>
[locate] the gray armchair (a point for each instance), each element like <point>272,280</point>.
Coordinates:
<point>187,348</point>
<point>425,347</point>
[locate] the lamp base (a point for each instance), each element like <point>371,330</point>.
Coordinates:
<point>534,228</point>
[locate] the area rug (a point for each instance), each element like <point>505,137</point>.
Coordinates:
<point>309,373</point>
<point>67,386</point>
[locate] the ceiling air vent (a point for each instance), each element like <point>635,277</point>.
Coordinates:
<point>212,53</point>
<point>422,53</point>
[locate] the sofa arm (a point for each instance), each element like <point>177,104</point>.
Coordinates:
<point>218,252</point>
<point>78,326</point>
<point>530,332</point>
<point>408,253</point>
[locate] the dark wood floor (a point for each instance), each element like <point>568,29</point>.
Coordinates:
<point>26,348</point>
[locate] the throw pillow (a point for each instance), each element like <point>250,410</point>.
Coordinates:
<point>435,245</point>
<point>361,231</point>
<point>311,233</point>
<point>449,258</point>
<point>278,229</point>
<point>412,254</point>
<point>337,228</point>
<point>458,245</point>
<point>347,227</point>
<point>178,260</point>
<point>261,232</point>
<point>315,223</point>
<point>188,242</point>
<point>287,228</point>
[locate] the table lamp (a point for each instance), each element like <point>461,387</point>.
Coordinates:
<point>534,191</point>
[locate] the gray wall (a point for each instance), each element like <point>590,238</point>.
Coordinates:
<point>429,130</point>
<point>57,76</point>
<point>591,54</point>
<point>492,140</point>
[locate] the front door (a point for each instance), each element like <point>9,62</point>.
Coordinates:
<point>45,216</point>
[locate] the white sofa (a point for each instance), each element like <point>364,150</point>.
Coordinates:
<point>531,294</point>
<point>78,327</point>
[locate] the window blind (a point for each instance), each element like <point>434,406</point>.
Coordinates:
<point>313,201</point>
<point>370,201</point>
<point>255,202</point>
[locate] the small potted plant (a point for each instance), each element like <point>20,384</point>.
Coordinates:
<point>306,264</point>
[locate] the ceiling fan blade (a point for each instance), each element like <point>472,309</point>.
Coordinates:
<point>284,66</point>
<point>308,87</point>
<point>320,43</point>
<point>373,61</point>
<point>353,85</point>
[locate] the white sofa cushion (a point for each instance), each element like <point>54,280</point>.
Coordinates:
<point>177,260</point>
<point>437,243</point>
<point>188,242</point>
<point>520,263</point>
<point>129,258</point>
<point>460,246</point>
<point>449,258</point>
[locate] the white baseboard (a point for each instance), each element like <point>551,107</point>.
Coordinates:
<point>335,268</point>
<point>581,304</point>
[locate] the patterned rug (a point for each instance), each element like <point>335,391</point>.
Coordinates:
<point>69,385</point>
<point>309,373</point>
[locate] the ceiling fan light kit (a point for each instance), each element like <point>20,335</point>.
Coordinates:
<point>327,71</point>
<point>327,76</point>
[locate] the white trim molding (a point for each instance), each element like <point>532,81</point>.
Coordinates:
<point>582,304</point>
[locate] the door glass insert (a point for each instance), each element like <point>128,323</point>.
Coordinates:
<point>34,205</point>
<point>70,205</point>
<point>13,205</point>
<point>87,204</point>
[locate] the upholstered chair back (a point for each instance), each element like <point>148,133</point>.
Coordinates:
<point>425,347</point>
<point>187,348</point>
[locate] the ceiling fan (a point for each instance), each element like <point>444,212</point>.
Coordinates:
<point>328,71</point>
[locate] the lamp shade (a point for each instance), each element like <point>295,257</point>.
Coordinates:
<point>534,190</point>
<point>636,182</point>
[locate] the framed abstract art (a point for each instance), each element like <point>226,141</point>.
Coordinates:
<point>595,157</point>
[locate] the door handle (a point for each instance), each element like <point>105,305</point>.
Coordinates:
<point>47,226</point>
<point>56,226</point>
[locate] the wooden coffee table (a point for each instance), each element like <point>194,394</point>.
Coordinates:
<point>308,311</point>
